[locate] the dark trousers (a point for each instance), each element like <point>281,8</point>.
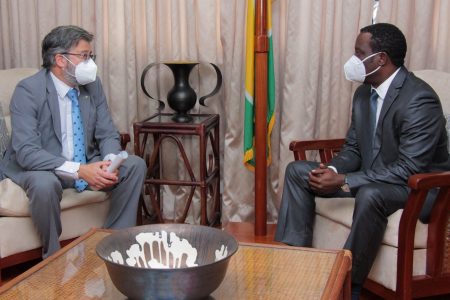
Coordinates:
<point>374,202</point>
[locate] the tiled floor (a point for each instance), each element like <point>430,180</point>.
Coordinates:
<point>366,295</point>
<point>10,273</point>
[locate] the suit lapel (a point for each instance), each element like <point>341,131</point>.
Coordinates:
<point>391,96</point>
<point>366,142</point>
<point>52,100</point>
<point>85,103</point>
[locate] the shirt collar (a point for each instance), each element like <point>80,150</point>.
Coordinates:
<point>61,87</point>
<point>382,89</point>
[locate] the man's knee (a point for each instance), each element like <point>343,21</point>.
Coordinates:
<point>369,197</point>
<point>298,170</point>
<point>44,191</point>
<point>138,164</point>
<point>42,183</point>
<point>134,167</point>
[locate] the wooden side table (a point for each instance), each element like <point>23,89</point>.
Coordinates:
<point>161,127</point>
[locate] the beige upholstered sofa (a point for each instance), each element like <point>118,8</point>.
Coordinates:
<point>334,218</point>
<point>80,211</point>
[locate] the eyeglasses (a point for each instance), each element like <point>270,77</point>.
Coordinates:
<point>84,56</point>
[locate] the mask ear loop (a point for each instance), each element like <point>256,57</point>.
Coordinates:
<point>68,60</point>
<point>71,63</point>
<point>379,67</point>
<point>371,55</point>
<point>372,71</point>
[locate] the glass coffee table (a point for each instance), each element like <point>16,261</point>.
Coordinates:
<point>256,271</point>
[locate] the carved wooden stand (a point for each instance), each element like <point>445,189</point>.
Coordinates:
<point>161,127</point>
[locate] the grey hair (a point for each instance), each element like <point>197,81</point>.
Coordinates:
<point>61,39</point>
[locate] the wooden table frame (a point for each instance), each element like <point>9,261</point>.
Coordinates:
<point>330,270</point>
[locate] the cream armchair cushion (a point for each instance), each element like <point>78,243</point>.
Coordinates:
<point>14,201</point>
<point>8,81</point>
<point>4,135</point>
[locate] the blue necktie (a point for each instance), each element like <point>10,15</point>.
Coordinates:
<point>373,112</point>
<point>79,154</point>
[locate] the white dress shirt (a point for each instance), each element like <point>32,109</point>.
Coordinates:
<point>382,90</point>
<point>69,168</point>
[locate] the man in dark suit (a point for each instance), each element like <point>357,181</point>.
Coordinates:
<point>63,136</point>
<point>397,130</point>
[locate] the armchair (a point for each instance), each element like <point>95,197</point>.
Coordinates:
<point>19,241</point>
<point>414,259</point>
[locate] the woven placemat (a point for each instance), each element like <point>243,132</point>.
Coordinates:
<point>260,272</point>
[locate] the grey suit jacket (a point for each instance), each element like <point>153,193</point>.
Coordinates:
<point>36,126</point>
<point>410,136</point>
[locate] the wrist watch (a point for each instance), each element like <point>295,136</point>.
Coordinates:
<point>345,187</point>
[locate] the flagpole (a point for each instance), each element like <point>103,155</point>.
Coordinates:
<point>261,50</point>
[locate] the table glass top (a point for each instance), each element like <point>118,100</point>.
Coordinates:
<point>254,272</point>
<point>167,118</point>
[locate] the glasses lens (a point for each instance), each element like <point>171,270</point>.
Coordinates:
<point>83,56</point>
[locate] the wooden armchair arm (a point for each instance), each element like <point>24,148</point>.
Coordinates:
<point>420,185</point>
<point>429,180</point>
<point>438,243</point>
<point>327,148</point>
<point>124,140</point>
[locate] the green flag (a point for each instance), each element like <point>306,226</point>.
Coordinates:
<point>249,120</point>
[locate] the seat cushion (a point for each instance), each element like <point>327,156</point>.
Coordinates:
<point>8,81</point>
<point>76,221</point>
<point>440,82</point>
<point>340,210</point>
<point>14,201</point>
<point>4,136</point>
<point>447,126</point>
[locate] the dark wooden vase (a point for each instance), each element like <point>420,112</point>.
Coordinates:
<point>181,97</point>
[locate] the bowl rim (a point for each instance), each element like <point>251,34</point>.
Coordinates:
<point>130,229</point>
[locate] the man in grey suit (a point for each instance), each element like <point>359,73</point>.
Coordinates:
<point>397,130</point>
<point>44,156</point>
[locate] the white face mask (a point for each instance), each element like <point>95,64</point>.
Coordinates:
<point>355,70</point>
<point>85,72</point>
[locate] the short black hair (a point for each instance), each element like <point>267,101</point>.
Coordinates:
<point>388,38</point>
<point>60,40</point>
